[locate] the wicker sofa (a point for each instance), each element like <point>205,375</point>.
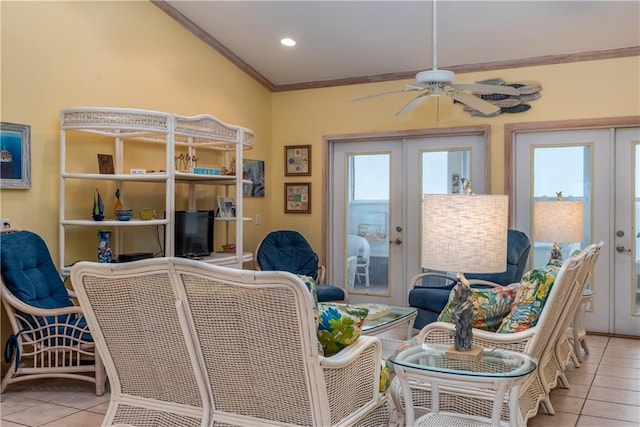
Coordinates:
<point>192,344</point>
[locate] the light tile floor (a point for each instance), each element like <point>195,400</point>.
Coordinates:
<point>605,391</point>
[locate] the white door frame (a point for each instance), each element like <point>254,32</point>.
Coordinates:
<point>329,227</point>
<point>604,273</point>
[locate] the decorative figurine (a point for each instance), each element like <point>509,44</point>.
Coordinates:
<point>118,204</point>
<point>98,207</point>
<point>462,315</point>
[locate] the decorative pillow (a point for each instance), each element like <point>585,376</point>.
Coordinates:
<point>340,325</point>
<point>531,297</point>
<point>489,306</point>
<point>385,376</point>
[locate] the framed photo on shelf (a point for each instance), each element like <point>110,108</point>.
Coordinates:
<point>227,207</point>
<point>297,197</point>
<point>105,164</point>
<point>297,160</point>
<point>15,167</point>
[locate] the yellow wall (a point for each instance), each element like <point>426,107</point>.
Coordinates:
<point>594,89</point>
<point>58,55</point>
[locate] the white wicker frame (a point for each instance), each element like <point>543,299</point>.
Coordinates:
<point>35,330</point>
<point>244,342</point>
<point>539,342</point>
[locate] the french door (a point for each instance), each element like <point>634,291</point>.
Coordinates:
<point>375,202</point>
<point>600,168</point>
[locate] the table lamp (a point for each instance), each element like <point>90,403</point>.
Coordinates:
<point>558,221</point>
<point>464,233</point>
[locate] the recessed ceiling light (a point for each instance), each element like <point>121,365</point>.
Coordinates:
<point>288,42</point>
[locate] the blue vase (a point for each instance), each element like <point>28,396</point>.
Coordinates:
<point>104,246</point>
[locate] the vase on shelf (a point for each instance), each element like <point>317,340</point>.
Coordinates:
<point>98,207</point>
<point>104,246</point>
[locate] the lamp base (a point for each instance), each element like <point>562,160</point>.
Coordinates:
<point>474,353</point>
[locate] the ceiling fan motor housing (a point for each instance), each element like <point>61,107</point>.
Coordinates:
<point>435,77</point>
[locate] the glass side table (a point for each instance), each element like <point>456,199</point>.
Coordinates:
<point>499,371</point>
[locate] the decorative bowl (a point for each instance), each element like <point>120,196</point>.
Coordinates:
<point>124,214</point>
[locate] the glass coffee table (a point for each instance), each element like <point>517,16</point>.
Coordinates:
<point>494,374</point>
<point>398,317</point>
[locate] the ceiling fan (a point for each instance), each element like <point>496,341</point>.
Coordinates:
<point>436,82</point>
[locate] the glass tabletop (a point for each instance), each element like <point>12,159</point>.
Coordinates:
<point>395,314</point>
<point>496,363</point>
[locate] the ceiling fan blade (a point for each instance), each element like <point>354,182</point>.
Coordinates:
<point>413,103</point>
<point>487,89</point>
<point>475,102</point>
<point>375,95</point>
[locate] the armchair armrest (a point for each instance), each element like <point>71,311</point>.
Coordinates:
<point>414,282</point>
<point>354,371</point>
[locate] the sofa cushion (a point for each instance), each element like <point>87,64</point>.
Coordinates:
<point>340,325</point>
<point>490,306</point>
<point>530,300</point>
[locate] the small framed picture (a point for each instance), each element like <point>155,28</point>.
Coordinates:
<point>105,164</point>
<point>297,160</point>
<point>227,207</point>
<point>15,170</point>
<point>297,197</point>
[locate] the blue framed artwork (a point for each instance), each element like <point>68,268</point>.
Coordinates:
<point>253,170</point>
<point>15,157</point>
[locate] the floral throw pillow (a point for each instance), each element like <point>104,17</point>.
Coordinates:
<point>530,300</point>
<point>340,325</point>
<point>489,306</point>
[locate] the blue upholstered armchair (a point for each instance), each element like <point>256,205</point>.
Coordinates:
<point>288,250</point>
<point>50,335</point>
<point>429,292</point>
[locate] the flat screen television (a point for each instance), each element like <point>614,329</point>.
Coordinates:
<point>193,235</point>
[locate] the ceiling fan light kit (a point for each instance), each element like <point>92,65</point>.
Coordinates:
<point>479,98</point>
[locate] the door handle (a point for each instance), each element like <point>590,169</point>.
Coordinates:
<point>397,241</point>
<point>621,249</point>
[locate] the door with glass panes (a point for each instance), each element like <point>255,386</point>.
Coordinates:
<point>601,169</point>
<point>376,190</point>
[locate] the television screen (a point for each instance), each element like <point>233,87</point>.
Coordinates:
<point>193,233</point>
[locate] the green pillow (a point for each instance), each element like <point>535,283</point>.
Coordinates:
<point>489,306</point>
<point>339,325</point>
<point>530,300</point>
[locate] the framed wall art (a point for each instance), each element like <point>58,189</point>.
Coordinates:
<point>297,160</point>
<point>15,158</point>
<point>253,170</point>
<point>297,197</point>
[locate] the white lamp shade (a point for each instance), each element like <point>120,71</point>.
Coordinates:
<point>465,233</point>
<point>558,221</point>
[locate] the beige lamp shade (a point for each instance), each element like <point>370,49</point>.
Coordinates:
<point>465,233</point>
<point>558,221</point>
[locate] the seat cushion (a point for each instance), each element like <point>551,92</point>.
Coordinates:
<point>432,299</point>
<point>29,273</point>
<point>327,293</point>
<point>287,250</point>
<point>530,299</point>
<point>340,325</point>
<point>490,306</point>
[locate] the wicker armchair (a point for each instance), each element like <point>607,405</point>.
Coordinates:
<point>50,337</point>
<point>242,343</point>
<point>539,341</point>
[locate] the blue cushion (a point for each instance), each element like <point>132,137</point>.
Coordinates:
<point>327,293</point>
<point>29,272</point>
<point>288,250</point>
